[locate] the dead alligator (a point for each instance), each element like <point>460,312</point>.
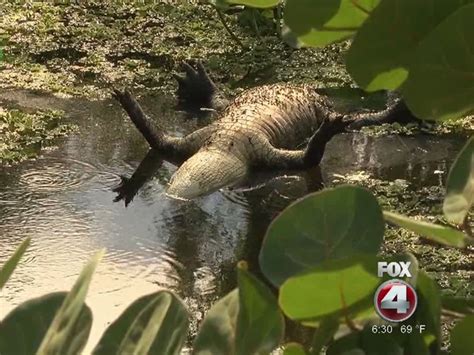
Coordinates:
<point>261,128</point>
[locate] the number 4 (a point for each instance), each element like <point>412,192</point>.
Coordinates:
<point>396,298</point>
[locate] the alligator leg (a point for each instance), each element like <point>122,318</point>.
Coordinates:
<point>398,112</point>
<point>175,148</point>
<point>196,91</point>
<point>313,153</point>
<point>152,134</point>
<point>334,124</point>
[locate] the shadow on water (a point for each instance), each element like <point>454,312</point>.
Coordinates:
<point>64,202</point>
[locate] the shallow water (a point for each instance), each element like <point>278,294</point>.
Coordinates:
<point>63,201</point>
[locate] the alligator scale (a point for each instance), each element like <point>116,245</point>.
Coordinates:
<point>261,128</point>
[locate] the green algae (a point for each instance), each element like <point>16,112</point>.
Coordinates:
<point>23,135</point>
<point>82,50</point>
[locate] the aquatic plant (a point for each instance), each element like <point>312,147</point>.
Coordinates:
<point>320,254</point>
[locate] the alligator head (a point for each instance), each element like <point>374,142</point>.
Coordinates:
<point>206,172</point>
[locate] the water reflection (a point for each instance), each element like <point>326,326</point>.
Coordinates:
<point>64,202</point>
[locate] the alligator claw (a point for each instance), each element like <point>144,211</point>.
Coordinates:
<point>195,88</point>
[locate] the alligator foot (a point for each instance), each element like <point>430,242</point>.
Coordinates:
<point>128,187</point>
<point>195,89</point>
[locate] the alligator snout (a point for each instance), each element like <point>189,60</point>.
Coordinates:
<point>206,172</point>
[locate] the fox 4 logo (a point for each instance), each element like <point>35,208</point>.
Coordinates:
<point>395,300</point>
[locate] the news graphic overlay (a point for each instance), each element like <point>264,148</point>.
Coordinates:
<point>395,300</point>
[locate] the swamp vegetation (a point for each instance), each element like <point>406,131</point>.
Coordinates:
<point>70,51</point>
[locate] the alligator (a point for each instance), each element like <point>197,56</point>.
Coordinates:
<point>262,128</point>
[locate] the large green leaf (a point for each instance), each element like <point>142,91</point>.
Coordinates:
<point>347,344</point>
<point>384,47</point>
<point>441,80</point>
<point>255,3</point>
<point>155,324</point>
<point>23,329</point>
<point>440,234</point>
<point>462,341</point>
<point>217,332</point>
<point>320,22</point>
<point>460,186</point>
<point>372,343</point>
<point>59,335</point>
<point>337,288</point>
<point>334,223</point>
<point>260,324</point>
<point>325,332</point>
<point>293,349</point>
<point>428,312</point>
<point>7,269</point>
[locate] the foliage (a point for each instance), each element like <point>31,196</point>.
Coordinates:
<point>397,45</point>
<point>23,134</point>
<point>331,292</point>
<point>7,269</point>
<point>24,329</point>
<point>460,186</point>
<point>322,226</point>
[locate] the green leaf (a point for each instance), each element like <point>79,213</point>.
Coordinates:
<point>260,324</point>
<point>61,331</point>
<point>217,332</point>
<point>325,332</point>
<point>23,329</point>
<point>337,288</point>
<point>458,304</point>
<point>460,186</point>
<point>155,324</point>
<point>462,341</point>
<point>384,48</point>
<point>7,270</point>
<point>440,234</point>
<point>256,3</point>
<point>293,349</point>
<point>347,344</point>
<point>320,22</point>
<point>331,224</point>
<point>372,343</point>
<point>441,81</point>
<point>428,311</point>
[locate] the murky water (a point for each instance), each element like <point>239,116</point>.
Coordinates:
<point>64,202</point>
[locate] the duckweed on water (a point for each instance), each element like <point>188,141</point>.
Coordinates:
<point>82,49</point>
<point>22,135</point>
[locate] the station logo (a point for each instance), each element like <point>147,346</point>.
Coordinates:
<point>395,300</point>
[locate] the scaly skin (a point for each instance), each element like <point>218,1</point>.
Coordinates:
<point>261,129</point>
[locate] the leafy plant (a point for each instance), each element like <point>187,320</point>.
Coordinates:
<point>397,45</point>
<point>321,253</point>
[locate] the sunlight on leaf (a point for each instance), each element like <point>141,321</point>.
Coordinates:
<point>8,268</point>
<point>440,234</point>
<point>460,186</point>
<point>62,328</point>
